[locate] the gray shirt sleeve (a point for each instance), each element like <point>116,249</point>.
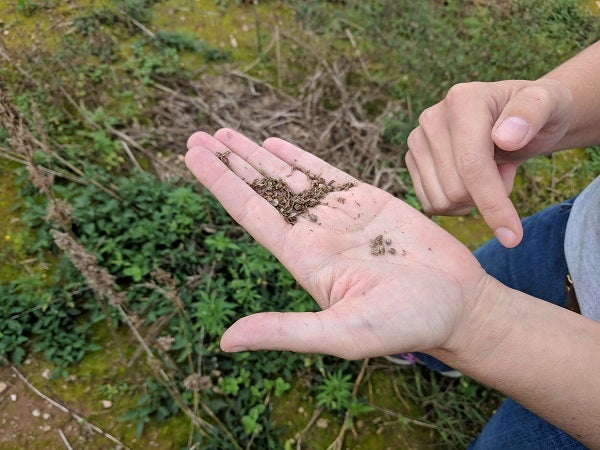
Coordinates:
<point>582,249</point>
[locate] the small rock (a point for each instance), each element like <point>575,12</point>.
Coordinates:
<point>322,423</point>
<point>46,428</point>
<point>46,374</point>
<point>3,387</point>
<point>36,413</point>
<point>106,404</point>
<point>13,397</point>
<point>45,416</point>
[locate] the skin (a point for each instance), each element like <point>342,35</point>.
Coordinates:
<point>433,296</point>
<point>467,147</point>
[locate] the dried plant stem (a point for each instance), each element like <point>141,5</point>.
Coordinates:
<point>119,134</point>
<point>64,439</point>
<point>130,154</point>
<point>278,56</point>
<point>151,335</point>
<point>257,27</point>
<point>25,143</point>
<point>103,285</point>
<point>358,53</point>
<point>137,23</point>
<point>406,419</point>
<point>300,436</point>
<point>65,409</point>
<point>7,154</point>
<point>268,48</point>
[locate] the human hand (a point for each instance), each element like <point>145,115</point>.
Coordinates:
<point>414,299</point>
<point>466,149</point>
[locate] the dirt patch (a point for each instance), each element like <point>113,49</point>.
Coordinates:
<point>29,421</point>
<point>34,414</point>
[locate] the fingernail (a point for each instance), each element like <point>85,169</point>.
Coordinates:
<point>236,349</point>
<point>506,236</point>
<point>513,130</point>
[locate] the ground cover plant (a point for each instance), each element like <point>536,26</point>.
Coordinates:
<point>120,272</point>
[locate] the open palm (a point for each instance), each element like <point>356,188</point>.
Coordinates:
<point>412,297</point>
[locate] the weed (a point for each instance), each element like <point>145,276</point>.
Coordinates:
<point>28,7</point>
<point>185,42</point>
<point>44,315</point>
<point>185,270</point>
<point>336,391</point>
<point>429,46</point>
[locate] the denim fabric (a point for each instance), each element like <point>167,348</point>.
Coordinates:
<point>537,266</point>
<point>513,427</point>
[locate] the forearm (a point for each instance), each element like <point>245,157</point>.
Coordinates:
<point>542,356</point>
<point>581,74</point>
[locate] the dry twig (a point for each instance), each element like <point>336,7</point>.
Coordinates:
<point>65,409</point>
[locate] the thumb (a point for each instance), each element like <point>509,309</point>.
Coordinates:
<point>512,133</point>
<point>544,106</point>
<point>325,332</point>
<point>302,332</point>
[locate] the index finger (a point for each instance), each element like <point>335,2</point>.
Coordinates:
<point>473,151</point>
<point>243,204</point>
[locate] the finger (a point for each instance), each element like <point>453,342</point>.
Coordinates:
<point>244,205</point>
<point>428,189</point>
<point>240,167</point>
<point>507,173</point>
<point>417,183</point>
<point>488,191</point>
<point>530,110</point>
<point>301,332</point>
<point>262,160</point>
<point>295,156</point>
<point>434,125</point>
<point>474,160</point>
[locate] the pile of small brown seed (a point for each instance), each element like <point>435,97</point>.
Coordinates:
<point>224,157</point>
<point>291,205</point>
<point>378,246</point>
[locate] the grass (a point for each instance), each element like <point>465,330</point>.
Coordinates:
<point>109,95</point>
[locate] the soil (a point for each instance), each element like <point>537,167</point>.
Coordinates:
<point>30,422</point>
<point>44,420</point>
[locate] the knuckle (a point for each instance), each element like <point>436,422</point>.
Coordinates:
<point>470,165</point>
<point>427,115</point>
<point>436,205</point>
<point>411,139</point>
<point>489,210</point>
<point>456,194</point>
<point>415,142</point>
<point>433,207</point>
<point>459,93</point>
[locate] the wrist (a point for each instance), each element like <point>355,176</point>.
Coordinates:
<point>579,76</point>
<point>487,320</point>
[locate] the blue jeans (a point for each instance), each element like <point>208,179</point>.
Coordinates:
<point>537,267</point>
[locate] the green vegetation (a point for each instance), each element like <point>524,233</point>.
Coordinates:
<point>127,256</point>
